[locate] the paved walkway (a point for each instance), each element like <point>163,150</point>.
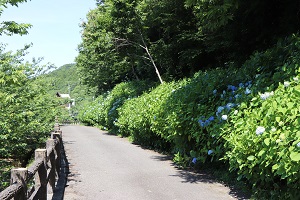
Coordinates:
<point>109,167</point>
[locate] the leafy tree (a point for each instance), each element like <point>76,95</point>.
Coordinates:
<point>172,31</point>
<point>26,111</point>
<point>126,40</point>
<point>233,29</point>
<point>11,27</point>
<point>98,63</point>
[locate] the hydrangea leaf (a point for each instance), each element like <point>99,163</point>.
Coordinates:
<point>267,141</point>
<point>295,156</point>
<point>251,158</point>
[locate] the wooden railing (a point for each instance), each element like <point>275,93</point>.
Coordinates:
<point>34,181</point>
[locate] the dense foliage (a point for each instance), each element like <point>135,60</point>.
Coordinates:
<point>103,111</point>
<point>27,112</point>
<point>243,118</point>
<point>12,27</point>
<point>136,39</point>
<point>65,80</point>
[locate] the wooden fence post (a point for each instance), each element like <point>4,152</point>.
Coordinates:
<point>58,152</point>
<point>49,146</point>
<point>19,175</point>
<point>56,127</point>
<point>41,175</point>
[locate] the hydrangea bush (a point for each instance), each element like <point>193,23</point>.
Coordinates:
<point>103,111</point>
<point>246,117</point>
<point>263,140</point>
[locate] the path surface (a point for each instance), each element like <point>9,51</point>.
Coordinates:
<point>109,167</point>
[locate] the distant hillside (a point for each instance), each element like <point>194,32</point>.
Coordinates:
<point>65,80</point>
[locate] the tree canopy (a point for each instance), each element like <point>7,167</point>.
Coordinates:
<point>123,39</point>
<point>12,27</point>
<point>27,111</point>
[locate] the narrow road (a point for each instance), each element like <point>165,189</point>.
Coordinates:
<point>109,167</point>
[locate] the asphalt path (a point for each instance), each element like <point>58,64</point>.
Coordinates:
<point>102,166</point>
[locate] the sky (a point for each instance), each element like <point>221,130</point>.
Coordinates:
<point>55,33</point>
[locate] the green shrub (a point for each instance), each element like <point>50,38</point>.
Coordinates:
<point>103,111</point>
<point>263,140</point>
<point>137,115</point>
<point>90,114</point>
<point>27,112</point>
<point>263,136</point>
<point>214,117</point>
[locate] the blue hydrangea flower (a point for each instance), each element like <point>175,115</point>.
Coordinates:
<point>211,118</point>
<point>298,145</point>
<point>237,96</point>
<point>210,152</point>
<point>215,92</point>
<point>202,124</point>
<point>194,160</point>
<point>229,106</point>
<point>248,84</point>
<point>220,109</point>
<point>247,91</point>
<point>232,88</point>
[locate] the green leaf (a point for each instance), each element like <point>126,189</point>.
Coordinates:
<point>261,152</point>
<point>296,92</point>
<point>267,141</point>
<point>290,105</point>
<point>275,167</point>
<point>277,119</point>
<point>282,110</point>
<point>295,156</point>
<point>251,158</point>
<point>274,104</point>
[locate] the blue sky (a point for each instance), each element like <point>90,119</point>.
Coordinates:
<point>55,33</point>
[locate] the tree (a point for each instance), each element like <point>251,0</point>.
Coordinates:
<point>26,111</point>
<point>139,39</point>
<point>133,39</point>
<point>98,62</point>
<point>11,27</point>
<point>233,29</point>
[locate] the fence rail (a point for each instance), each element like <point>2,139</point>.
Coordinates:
<point>34,181</point>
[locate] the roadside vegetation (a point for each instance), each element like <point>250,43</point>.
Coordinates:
<point>213,83</point>
<point>223,85</point>
<point>245,119</point>
<point>27,110</point>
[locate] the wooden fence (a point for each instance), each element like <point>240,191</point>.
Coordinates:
<point>34,181</point>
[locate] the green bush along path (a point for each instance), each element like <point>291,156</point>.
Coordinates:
<point>104,166</point>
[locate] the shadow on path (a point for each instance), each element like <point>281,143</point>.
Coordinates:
<point>62,180</point>
<point>192,176</point>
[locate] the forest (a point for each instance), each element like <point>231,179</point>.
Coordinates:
<point>213,83</point>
